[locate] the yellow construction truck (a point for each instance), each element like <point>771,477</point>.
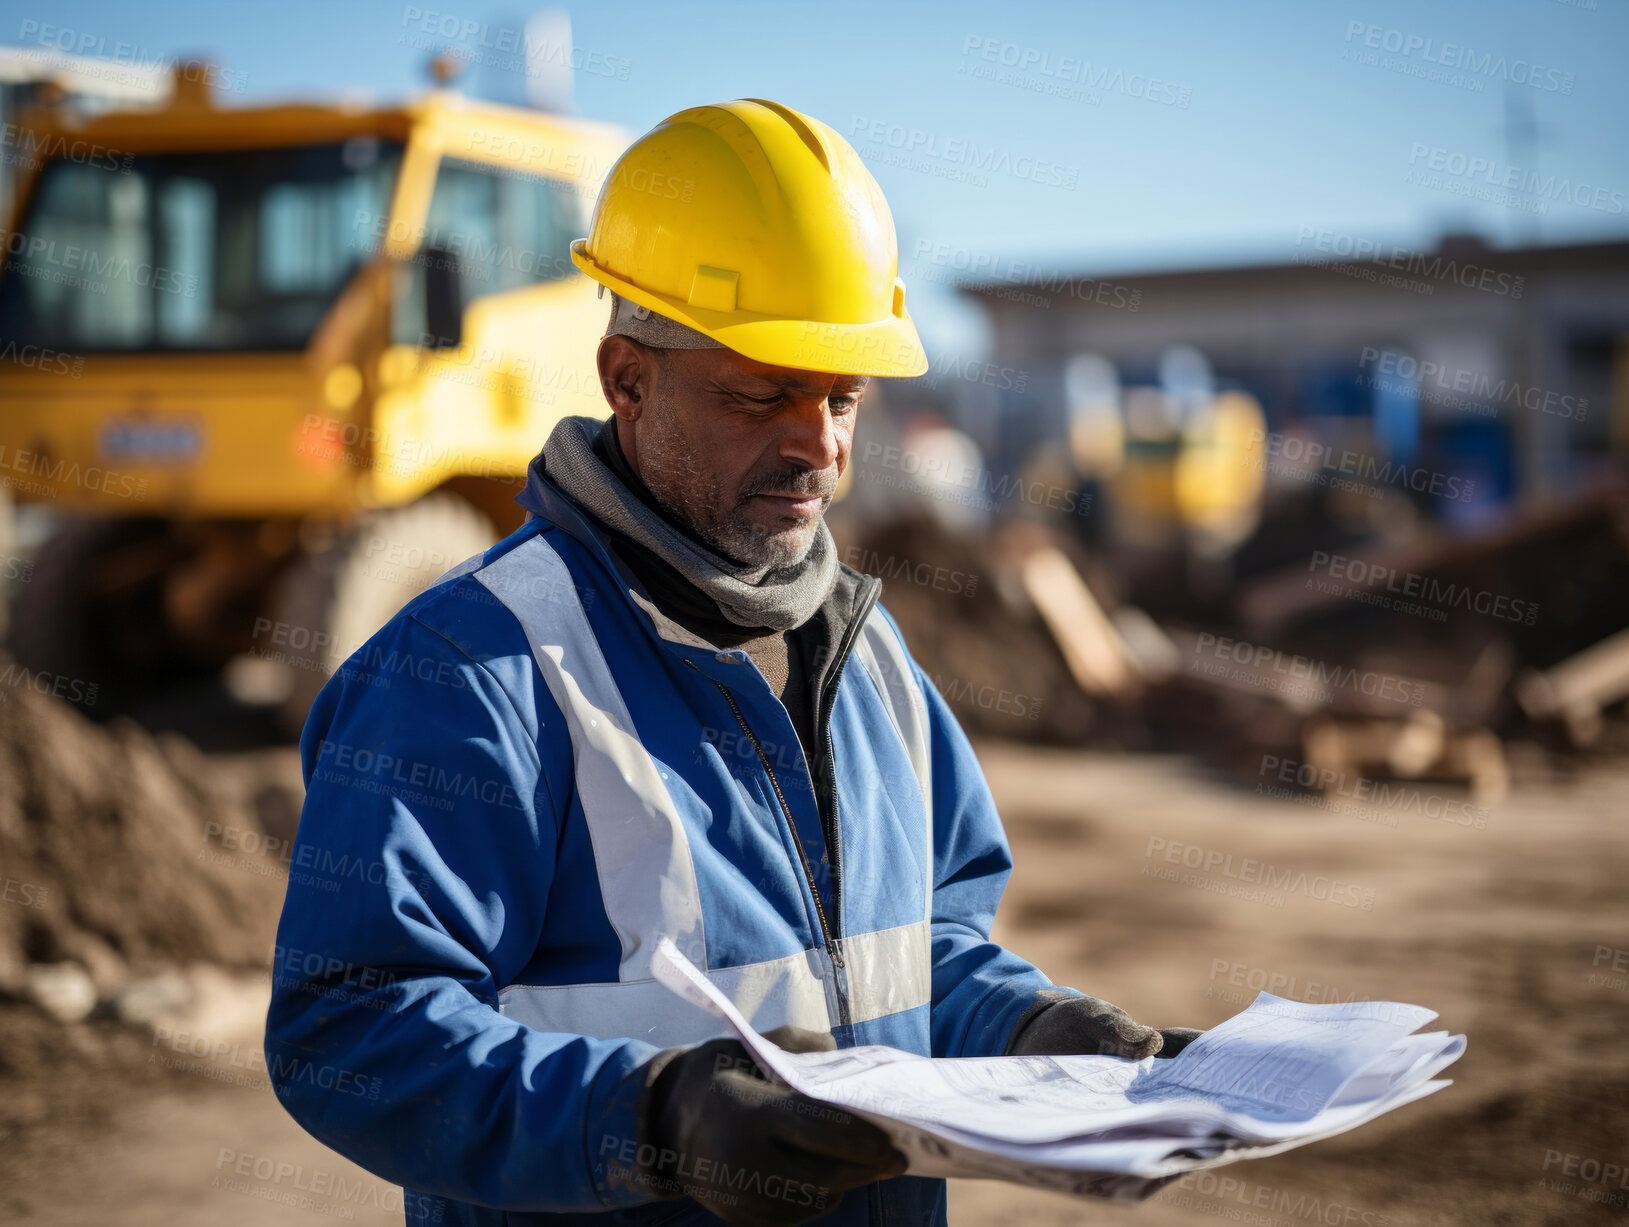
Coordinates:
<point>275,369</point>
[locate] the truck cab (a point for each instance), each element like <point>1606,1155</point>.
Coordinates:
<point>272,368</point>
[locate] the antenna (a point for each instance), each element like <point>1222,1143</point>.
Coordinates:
<point>446,66</point>
<point>1521,137</point>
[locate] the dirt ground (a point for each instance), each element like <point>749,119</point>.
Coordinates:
<point>1510,931</point>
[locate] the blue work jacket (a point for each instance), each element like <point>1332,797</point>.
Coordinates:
<point>527,778</point>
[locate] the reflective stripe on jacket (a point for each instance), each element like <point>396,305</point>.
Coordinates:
<point>521,783</point>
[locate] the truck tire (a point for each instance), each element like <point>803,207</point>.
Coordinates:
<point>88,642</point>
<point>331,601</point>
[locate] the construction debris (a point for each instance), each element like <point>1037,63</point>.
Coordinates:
<point>1335,660</point>
<point>1576,690</point>
<point>1415,747</point>
<point>114,844</point>
<point>1097,655</point>
<point>963,605</point>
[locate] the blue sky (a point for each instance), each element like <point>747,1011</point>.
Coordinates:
<point>1082,137</point>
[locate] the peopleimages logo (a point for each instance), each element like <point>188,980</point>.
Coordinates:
<point>986,266</point>
<point>973,370</point>
<point>1464,388</point>
<point>1067,70</point>
<point>1300,677</point>
<point>1367,577</point>
<point>1212,865</point>
<point>510,48</point>
<point>915,148</point>
<point>928,473</point>
<point>37,257</point>
<point>27,147</point>
<point>1460,58</point>
<point>1365,468</point>
<point>1383,797</point>
<point>1308,1207</point>
<point>1350,249</point>
<point>1515,179</point>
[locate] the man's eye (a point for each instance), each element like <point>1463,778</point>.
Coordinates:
<point>844,404</point>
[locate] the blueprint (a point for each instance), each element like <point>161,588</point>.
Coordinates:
<point>1277,1075</point>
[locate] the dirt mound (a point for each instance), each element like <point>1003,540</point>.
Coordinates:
<point>972,629</point>
<point>123,854</point>
<point>1541,1153</point>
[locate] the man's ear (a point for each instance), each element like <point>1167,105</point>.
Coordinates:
<point>627,372</point>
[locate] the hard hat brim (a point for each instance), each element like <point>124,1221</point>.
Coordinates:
<point>887,347</point>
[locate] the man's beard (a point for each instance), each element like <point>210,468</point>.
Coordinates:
<point>673,470</point>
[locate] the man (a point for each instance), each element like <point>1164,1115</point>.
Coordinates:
<point>660,708</point>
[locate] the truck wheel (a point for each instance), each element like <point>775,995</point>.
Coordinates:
<point>89,618</point>
<point>331,601</point>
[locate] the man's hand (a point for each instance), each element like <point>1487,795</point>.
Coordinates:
<point>709,1115</point>
<point>1066,1025</point>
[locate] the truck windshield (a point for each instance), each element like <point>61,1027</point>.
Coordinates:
<point>242,250</point>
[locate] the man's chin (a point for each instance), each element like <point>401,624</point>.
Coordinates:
<point>775,545</point>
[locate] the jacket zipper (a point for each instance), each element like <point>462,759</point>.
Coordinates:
<point>827,769</point>
<point>828,780</point>
<point>826,933</point>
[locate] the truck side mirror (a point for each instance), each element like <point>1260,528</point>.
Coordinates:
<point>443,298</point>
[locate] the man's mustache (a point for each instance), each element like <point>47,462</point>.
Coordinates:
<point>793,481</point>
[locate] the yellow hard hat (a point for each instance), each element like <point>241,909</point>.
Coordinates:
<point>761,228</point>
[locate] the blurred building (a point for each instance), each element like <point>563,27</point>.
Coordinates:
<point>1507,367</point>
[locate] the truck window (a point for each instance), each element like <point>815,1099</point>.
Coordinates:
<point>500,229</point>
<point>507,230</point>
<point>236,250</point>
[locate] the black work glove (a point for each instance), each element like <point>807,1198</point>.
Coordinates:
<point>1060,1025</point>
<point>752,1152</point>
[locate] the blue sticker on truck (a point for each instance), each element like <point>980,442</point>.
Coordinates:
<point>145,441</point>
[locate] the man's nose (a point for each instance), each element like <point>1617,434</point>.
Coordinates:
<point>810,437</point>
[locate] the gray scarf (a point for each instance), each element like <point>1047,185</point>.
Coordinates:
<point>780,598</point>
